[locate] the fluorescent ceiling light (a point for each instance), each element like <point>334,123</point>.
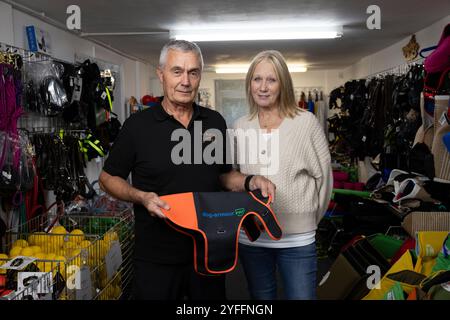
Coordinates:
<point>244,68</point>
<point>297,69</point>
<point>241,34</point>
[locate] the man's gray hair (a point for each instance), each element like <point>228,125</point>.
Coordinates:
<point>180,45</point>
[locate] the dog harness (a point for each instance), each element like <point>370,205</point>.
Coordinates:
<point>213,220</point>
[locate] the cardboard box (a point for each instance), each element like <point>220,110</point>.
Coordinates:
<point>339,281</point>
<point>426,221</point>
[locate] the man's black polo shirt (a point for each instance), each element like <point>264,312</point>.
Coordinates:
<point>144,148</point>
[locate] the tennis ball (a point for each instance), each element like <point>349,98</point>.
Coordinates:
<point>27,252</point>
<point>20,243</point>
<point>40,255</point>
<point>15,251</point>
<point>3,259</point>
<point>77,236</point>
<point>110,236</point>
<point>36,249</point>
<point>59,230</point>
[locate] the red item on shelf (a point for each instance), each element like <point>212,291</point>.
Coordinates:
<point>358,186</point>
<point>338,185</point>
<point>340,176</point>
<point>348,185</point>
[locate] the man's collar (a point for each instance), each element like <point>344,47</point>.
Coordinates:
<point>161,114</point>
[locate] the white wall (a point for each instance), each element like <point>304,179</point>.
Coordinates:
<point>392,56</point>
<point>6,25</point>
<point>145,72</point>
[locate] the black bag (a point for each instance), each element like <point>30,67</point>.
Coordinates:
<point>421,160</point>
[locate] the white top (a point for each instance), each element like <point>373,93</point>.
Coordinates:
<point>302,174</point>
<point>286,241</point>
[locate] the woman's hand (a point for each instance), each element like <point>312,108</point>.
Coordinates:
<point>266,186</point>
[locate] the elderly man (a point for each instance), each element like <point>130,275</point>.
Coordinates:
<point>163,257</point>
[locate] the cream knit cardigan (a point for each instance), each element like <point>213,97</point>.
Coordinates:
<point>304,179</point>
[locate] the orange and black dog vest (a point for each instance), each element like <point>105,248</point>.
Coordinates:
<point>213,220</point>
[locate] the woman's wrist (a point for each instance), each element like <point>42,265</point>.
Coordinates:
<point>247,184</point>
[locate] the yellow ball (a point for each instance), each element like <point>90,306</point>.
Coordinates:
<point>50,256</point>
<point>3,259</point>
<point>57,241</point>
<point>20,243</point>
<point>44,266</point>
<point>41,265</point>
<point>70,245</point>
<point>36,249</point>
<point>40,255</point>
<point>15,251</point>
<point>74,257</point>
<point>59,230</point>
<point>110,236</point>
<point>31,239</point>
<point>77,236</point>
<point>27,252</point>
<point>103,248</point>
<point>39,238</point>
<point>85,244</point>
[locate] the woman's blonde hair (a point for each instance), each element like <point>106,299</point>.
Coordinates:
<point>286,99</point>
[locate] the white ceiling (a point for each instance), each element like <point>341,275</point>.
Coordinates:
<point>399,19</point>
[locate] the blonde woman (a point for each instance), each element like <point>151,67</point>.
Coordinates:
<point>303,179</point>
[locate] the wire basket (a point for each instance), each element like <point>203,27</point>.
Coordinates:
<point>89,256</point>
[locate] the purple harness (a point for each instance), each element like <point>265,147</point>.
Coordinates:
<point>10,111</point>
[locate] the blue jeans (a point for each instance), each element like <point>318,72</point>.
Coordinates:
<point>297,266</point>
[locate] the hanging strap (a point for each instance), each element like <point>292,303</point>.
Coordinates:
<point>109,99</point>
<point>426,50</point>
<point>94,145</point>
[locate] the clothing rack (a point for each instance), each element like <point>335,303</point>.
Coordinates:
<point>52,130</point>
<point>103,64</point>
<point>29,56</point>
<point>397,70</point>
<point>313,90</point>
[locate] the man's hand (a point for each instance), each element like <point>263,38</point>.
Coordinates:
<point>265,185</point>
<point>122,190</point>
<point>153,203</point>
